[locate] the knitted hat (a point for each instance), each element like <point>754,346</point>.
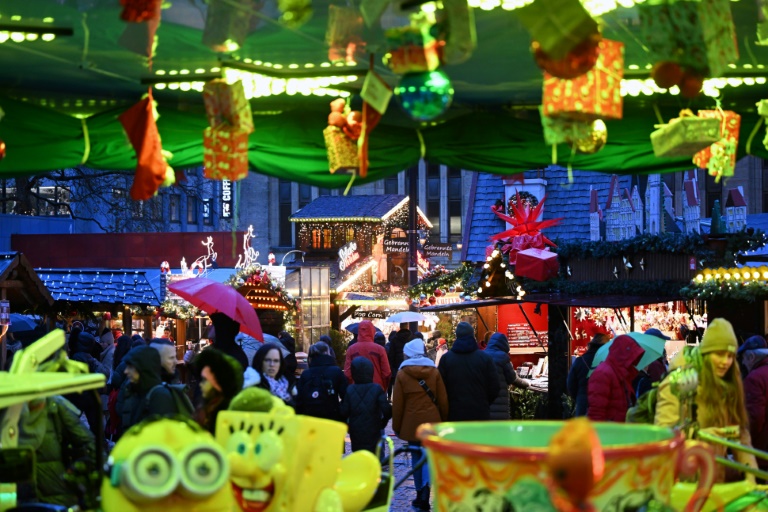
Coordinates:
<point>718,336</point>
<point>226,370</point>
<point>464,330</point>
<point>414,348</point>
<point>441,342</point>
<point>752,343</point>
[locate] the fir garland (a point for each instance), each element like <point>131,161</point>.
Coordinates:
<point>749,291</point>
<point>182,311</point>
<point>242,275</point>
<point>526,198</point>
<point>440,277</point>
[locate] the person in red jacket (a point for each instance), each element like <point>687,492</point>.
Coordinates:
<point>756,398</point>
<point>610,385</point>
<point>375,353</point>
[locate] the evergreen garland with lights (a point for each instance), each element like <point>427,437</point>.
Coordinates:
<point>440,278</point>
<point>182,311</point>
<point>526,198</point>
<point>242,276</point>
<point>745,284</point>
<point>497,278</point>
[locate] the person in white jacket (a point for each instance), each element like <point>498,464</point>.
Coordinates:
<point>442,348</point>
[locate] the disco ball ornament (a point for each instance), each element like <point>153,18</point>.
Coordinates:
<point>425,96</point>
<point>594,142</point>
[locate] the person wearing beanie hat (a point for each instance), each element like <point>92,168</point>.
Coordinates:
<point>470,379</point>
<point>418,397</point>
<point>221,379</point>
<point>719,403</point>
<point>752,343</point>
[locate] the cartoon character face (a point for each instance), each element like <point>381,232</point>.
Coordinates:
<point>280,461</point>
<point>167,465</point>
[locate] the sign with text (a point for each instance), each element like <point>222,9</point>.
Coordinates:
<point>348,255</point>
<point>226,199</point>
<point>395,245</point>
<point>438,250</point>
<point>371,315</point>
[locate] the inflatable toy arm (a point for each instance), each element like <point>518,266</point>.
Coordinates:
<point>328,501</point>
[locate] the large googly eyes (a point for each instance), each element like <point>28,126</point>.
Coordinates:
<point>268,450</point>
<point>149,474</point>
<point>239,443</point>
<point>204,470</point>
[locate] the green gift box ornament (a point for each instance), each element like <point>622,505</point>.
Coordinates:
<point>685,135</point>
<point>557,25</point>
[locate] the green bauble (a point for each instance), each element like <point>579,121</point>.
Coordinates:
<point>425,96</point>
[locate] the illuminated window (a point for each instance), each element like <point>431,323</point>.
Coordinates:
<point>175,207</point>
<point>316,239</point>
<point>350,234</point>
<point>327,238</point>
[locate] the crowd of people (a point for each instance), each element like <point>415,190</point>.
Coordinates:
<point>729,400</point>
<point>404,379</point>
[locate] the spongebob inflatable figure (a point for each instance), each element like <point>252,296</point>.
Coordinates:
<point>167,466</point>
<point>284,462</point>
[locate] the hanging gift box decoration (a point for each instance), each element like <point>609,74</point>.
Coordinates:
<point>152,170</point>
<point>594,95</point>
<point>412,50</point>
<point>341,135</point>
<point>137,11</point>
<point>225,153</point>
<point>344,35</point>
<point>228,23</point>
<point>720,157</point>
<point>685,135</point>
<point>461,37</point>
<point>699,35</point>
<point>558,26</point>
<point>578,61</point>
<point>376,94</point>
<point>226,104</point>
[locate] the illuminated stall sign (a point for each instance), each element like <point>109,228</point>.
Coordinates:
<point>348,255</point>
<point>395,245</point>
<point>438,250</point>
<point>371,315</point>
<point>226,199</point>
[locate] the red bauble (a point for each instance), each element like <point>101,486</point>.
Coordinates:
<point>107,316</point>
<point>438,292</point>
<point>432,300</point>
<point>2,149</point>
<point>578,61</point>
<point>690,85</point>
<point>667,74</point>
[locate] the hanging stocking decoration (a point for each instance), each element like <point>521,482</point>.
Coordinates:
<point>152,170</point>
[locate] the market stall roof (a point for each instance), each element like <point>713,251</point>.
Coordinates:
<point>493,126</point>
<point>100,286</point>
<point>23,287</point>
<point>597,301</point>
<point>470,304</point>
<point>354,208</point>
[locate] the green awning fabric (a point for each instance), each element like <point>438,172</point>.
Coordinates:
<point>290,145</point>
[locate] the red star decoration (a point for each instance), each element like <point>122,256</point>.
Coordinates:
<point>524,221</point>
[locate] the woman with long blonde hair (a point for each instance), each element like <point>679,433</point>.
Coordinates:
<point>719,404</point>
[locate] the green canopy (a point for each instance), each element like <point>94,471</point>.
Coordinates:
<point>493,125</point>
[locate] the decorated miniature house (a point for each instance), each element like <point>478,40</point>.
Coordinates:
<point>735,210</point>
<point>691,206</point>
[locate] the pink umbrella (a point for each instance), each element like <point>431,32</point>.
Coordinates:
<point>214,297</point>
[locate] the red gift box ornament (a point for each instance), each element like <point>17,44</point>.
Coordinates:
<point>137,11</point>
<point>152,170</point>
<point>537,264</point>
<point>226,104</point>
<point>720,157</point>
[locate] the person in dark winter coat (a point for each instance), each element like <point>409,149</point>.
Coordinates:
<point>577,377</point>
<point>168,361</point>
<point>418,397</point>
<point>397,342</point>
<point>610,385</point>
<point>88,403</point>
<point>143,372</point>
<point>470,378</point>
<point>290,360</point>
<point>366,348</point>
<point>268,372</point>
<point>752,343</point>
<point>365,406</point>
<point>380,339</point>
<point>322,386</point>
<point>221,378</point>
<point>498,349</point>
<point>756,393</point>
<point>47,426</point>
<point>225,330</point>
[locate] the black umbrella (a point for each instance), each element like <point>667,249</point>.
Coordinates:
<point>353,328</point>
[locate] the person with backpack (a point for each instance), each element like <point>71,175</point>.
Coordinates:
<point>610,385</point>
<point>498,349</point>
<point>221,378</point>
<point>145,393</point>
<point>577,376</point>
<point>322,386</point>
<point>719,404</point>
<point>418,397</point>
<point>365,407</point>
